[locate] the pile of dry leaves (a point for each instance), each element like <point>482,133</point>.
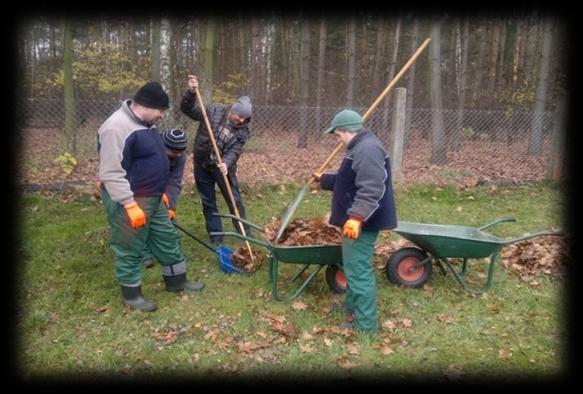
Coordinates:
<point>536,256</point>
<point>303,232</point>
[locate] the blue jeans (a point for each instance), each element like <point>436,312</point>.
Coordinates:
<point>205,180</point>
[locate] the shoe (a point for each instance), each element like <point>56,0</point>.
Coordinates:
<point>347,325</point>
<point>148,263</point>
<point>178,282</point>
<point>132,297</point>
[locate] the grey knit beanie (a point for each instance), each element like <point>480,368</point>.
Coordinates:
<point>242,107</point>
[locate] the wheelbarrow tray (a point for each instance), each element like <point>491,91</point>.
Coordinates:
<point>308,254</point>
<point>450,240</point>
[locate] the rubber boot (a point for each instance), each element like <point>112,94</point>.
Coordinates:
<point>132,296</point>
<point>178,283</point>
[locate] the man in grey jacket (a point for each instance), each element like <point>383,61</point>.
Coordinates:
<point>230,128</point>
<point>362,205</point>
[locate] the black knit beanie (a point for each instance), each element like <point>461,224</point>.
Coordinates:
<point>174,139</point>
<point>152,95</point>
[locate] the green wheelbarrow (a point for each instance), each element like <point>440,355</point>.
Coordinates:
<point>311,259</point>
<point>412,266</point>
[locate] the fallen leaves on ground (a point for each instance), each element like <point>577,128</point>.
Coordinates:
<point>536,256</point>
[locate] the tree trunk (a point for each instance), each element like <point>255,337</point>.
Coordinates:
<point>69,93</point>
<point>155,48</point>
<point>208,60</point>
<point>482,32</point>
<point>256,58</point>
<point>411,84</point>
<point>378,58</point>
<point>390,74</point>
<point>535,142</point>
<point>321,65</point>
<point>305,81</point>
<point>438,143</point>
<point>462,72</point>
<point>166,63</point>
<point>351,69</point>
<point>494,44</point>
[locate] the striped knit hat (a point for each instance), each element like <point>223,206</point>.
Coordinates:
<point>174,139</point>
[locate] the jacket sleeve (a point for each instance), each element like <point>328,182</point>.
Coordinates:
<point>174,185</point>
<point>232,151</point>
<point>369,166</point>
<point>189,107</point>
<point>327,181</point>
<point>111,172</point>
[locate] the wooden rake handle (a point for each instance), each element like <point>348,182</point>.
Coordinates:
<point>377,101</point>
<point>220,161</point>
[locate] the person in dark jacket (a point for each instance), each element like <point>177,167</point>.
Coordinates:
<point>230,127</point>
<point>133,175</point>
<point>175,142</point>
<point>362,205</point>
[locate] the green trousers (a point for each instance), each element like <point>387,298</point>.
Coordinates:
<point>361,295</point>
<point>128,244</point>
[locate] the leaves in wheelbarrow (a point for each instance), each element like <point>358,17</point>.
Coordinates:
<point>305,231</point>
<point>536,256</point>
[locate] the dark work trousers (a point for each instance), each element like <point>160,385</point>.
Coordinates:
<point>205,180</point>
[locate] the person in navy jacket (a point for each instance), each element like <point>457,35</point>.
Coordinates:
<point>362,205</point>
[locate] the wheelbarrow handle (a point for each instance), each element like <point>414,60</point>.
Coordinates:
<point>533,235</point>
<point>241,236</point>
<point>499,220</point>
<point>240,220</point>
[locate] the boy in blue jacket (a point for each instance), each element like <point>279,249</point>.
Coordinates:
<point>362,205</point>
<point>175,142</point>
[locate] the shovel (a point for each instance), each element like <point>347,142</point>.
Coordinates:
<point>220,161</point>
<point>290,209</point>
<point>223,253</point>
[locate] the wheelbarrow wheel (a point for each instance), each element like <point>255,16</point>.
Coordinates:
<point>336,279</point>
<point>400,267</point>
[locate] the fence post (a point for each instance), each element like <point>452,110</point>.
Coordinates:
<point>398,128</point>
<point>557,151</point>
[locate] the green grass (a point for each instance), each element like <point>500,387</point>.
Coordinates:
<point>72,321</point>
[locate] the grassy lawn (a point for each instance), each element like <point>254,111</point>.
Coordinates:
<point>72,322</point>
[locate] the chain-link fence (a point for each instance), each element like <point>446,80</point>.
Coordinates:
<point>494,146</point>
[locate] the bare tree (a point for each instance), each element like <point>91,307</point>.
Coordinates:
<point>462,47</point>
<point>305,82</point>
<point>69,92</point>
<point>321,65</point>
<point>535,141</point>
<point>155,48</point>
<point>438,143</point>
<point>351,52</point>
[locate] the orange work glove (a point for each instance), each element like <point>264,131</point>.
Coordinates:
<point>351,228</point>
<point>137,216</point>
<point>165,200</point>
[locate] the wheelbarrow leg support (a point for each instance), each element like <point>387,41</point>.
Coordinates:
<point>274,272</point>
<point>460,276</point>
